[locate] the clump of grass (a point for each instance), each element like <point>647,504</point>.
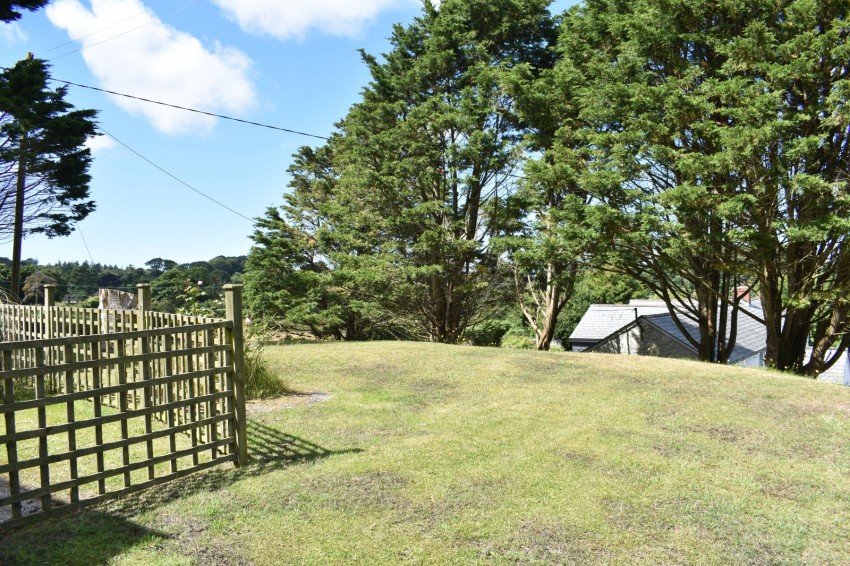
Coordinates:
<point>260,381</point>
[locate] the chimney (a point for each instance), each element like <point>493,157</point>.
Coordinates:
<point>743,293</point>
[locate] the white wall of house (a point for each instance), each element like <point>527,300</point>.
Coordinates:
<point>754,361</point>
<point>838,373</point>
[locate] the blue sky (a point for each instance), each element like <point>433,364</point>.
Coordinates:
<point>292,64</point>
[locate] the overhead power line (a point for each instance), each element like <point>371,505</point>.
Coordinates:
<point>150,21</point>
<point>213,114</point>
<point>85,243</point>
<point>176,178</point>
<point>110,26</point>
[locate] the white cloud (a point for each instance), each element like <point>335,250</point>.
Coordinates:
<point>157,62</point>
<point>100,143</point>
<point>12,33</point>
<point>294,18</point>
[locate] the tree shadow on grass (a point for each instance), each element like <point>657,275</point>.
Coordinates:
<point>91,537</point>
<point>96,535</point>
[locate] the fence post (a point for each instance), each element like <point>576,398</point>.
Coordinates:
<point>50,295</point>
<point>143,302</point>
<point>233,309</point>
<point>49,302</point>
<point>48,331</point>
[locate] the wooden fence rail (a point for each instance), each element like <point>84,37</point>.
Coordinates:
<point>163,394</point>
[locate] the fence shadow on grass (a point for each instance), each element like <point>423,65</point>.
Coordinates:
<point>93,537</point>
<point>271,447</point>
<point>270,450</point>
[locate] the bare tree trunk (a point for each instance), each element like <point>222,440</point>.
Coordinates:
<point>543,315</point>
<point>18,238</point>
<point>824,335</point>
<point>551,309</point>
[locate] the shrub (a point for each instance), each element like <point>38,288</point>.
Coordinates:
<point>517,342</point>
<point>89,303</point>
<point>260,382</point>
<point>487,333</point>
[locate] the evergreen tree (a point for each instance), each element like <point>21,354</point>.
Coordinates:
<point>659,121</point>
<point>788,100</point>
<point>301,272</point>
<point>413,179</point>
<point>10,11</point>
<point>549,234</point>
<point>718,134</point>
<point>44,180</point>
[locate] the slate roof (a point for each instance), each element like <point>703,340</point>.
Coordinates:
<point>600,321</point>
<point>750,336</point>
<point>604,321</point>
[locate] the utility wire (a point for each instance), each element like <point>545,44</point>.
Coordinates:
<point>76,39</point>
<point>217,115</point>
<point>214,115</point>
<point>176,178</point>
<point>150,21</point>
<point>86,244</point>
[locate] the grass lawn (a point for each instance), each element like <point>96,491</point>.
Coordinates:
<point>456,455</point>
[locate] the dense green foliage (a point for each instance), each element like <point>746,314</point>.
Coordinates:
<point>792,153</point>
<point>550,230</point>
<point>388,227</point>
<point>11,11</point>
<point>720,140</point>
<point>656,124</point>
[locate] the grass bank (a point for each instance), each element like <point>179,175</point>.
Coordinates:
<point>435,454</point>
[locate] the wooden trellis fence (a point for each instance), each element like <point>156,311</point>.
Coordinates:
<point>161,393</point>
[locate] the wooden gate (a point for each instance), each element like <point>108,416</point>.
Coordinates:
<point>101,403</point>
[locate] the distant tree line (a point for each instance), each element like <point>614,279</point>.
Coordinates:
<point>504,162</point>
<point>78,283</point>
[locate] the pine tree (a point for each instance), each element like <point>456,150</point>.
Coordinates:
<point>411,185</point>
<point>548,234</point>
<point>792,158</point>
<point>659,125</point>
<point>44,182</point>
<point>10,11</point>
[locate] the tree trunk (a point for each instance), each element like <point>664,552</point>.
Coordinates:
<point>18,237</point>
<point>825,335</point>
<point>550,316</point>
<point>771,302</point>
<point>795,336</point>
<point>707,308</point>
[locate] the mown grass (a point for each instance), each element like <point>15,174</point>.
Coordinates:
<point>458,455</point>
<point>87,465</point>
